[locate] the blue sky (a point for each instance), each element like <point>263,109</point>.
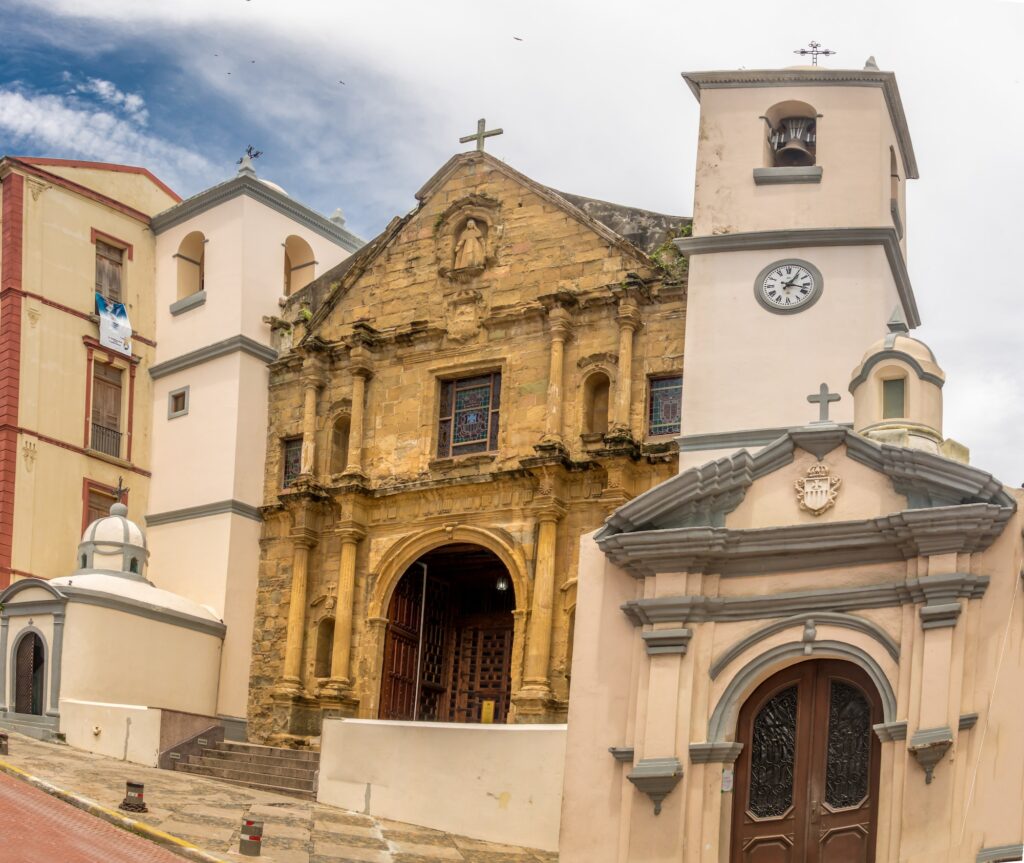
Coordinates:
<point>591,101</point>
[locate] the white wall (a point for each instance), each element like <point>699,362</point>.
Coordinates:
<point>500,783</point>
<point>129,732</point>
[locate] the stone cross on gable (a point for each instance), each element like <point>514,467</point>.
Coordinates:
<point>823,398</point>
<point>480,135</point>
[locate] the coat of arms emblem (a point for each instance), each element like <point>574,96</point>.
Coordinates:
<point>817,490</point>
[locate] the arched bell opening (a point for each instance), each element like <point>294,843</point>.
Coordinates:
<point>448,644</point>
<point>807,776</point>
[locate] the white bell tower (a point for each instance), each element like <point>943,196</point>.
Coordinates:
<point>798,254</point>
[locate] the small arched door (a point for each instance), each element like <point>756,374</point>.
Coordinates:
<point>29,675</point>
<point>807,776</point>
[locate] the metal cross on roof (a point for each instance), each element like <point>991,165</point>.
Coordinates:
<point>120,491</point>
<point>814,52</point>
<point>480,135</point>
<point>823,398</point>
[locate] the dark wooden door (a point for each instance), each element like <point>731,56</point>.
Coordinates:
<point>483,667</point>
<point>807,776</point>
<point>28,676</point>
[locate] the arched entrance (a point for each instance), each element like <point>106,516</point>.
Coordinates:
<point>29,675</point>
<point>807,777</point>
<point>448,647</point>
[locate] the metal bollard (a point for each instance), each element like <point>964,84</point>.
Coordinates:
<point>3,742</point>
<point>251,840</point>
<point>133,801</point>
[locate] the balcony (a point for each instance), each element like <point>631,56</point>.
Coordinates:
<point>107,441</point>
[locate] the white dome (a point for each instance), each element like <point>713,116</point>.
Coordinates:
<point>137,592</point>
<point>272,185</point>
<point>115,527</point>
<point>114,544</point>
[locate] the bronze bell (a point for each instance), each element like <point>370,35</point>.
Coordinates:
<point>794,154</point>
<point>793,140</point>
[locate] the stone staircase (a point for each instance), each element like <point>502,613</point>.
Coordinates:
<point>283,771</point>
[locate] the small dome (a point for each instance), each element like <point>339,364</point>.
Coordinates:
<point>116,528</point>
<point>114,544</point>
<point>906,344</point>
<point>272,185</point>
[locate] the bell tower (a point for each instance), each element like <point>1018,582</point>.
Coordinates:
<point>798,254</point>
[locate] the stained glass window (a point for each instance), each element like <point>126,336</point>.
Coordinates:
<point>468,415</point>
<point>665,406</point>
<point>291,456</point>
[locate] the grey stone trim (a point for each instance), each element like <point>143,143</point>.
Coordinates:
<point>39,727</point>
<point>803,604</point>
<point>189,302</point>
<point>4,620</point>
<point>929,746</point>
<point>171,412</point>
<point>715,753</point>
<point>622,753</point>
<point>729,440</point>
<point>1001,854</point>
<point>902,356</point>
<point>128,551</point>
<point>234,728</point>
<point>897,221</point>
<point>890,731</point>
<point>146,610</point>
<point>266,195</point>
<point>25,584</point>
<point>778,176</point>
<point>211,352</point>
<point>817,77</point>
<point>940,615</point>
<point>55,668</point>
<point>667,640</point>
<point>815,237</point>
<point>819,282</point>
<point>656,777</point>
<point>967,721</point>
<point>827,618</point>
<point>722,723</point>
<point>236,507</point>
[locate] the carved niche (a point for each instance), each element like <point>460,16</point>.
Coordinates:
<point>466,235</point>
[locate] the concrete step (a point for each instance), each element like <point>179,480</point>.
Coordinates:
<point>255,780</point>
<point>273,771</point>
<point>261,761</point>
<point>275,789</point>
<point>272,751</point>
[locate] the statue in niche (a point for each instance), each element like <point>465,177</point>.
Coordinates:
<point>469,250</point>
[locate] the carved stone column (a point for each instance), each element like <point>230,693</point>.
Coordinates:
<point>362,370</point>
<point>629,322</point>
<point>291,681</point>
<point>560,324</point>
<point>536,679</point>
<point>312,381</point>
<point>341,652</point>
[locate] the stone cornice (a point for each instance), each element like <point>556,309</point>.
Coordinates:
<point>239,343</point>
<point>821,605</point>
<point>813,237</point>
<point>817,77</point>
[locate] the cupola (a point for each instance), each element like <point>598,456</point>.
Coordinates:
<point>114,545</point>
<point>897,394</point>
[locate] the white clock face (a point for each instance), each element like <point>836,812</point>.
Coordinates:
<point>788,286</point>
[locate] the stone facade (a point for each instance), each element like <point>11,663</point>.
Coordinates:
<point>549,299</point>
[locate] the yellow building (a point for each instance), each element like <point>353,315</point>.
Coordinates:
<point>453,407</point>
<point>74,414</point>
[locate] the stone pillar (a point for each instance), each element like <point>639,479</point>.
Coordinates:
<point>362,371</point>
<point>341,653</point>
<point>559,322</point>
<point>538,644</point>
<point>312,381</point>
<point>629,322</point>
<point>292,678</point>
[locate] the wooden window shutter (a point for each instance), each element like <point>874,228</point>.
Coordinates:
<point>109,262</point>
<point>106,397</point>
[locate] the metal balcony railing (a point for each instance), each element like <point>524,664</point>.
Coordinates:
<point>106,440</point>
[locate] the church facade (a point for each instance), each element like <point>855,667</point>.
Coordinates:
<point>453,407</point>
<point>806,645</point>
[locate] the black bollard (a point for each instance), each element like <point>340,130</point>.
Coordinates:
<point>3,742</point>
<point>251,840</point>
<point>133,801</point>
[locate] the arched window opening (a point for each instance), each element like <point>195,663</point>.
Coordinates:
<point>339,444</point>
<point>299,266</point>
<point>133,565</point>
<point>84,561</point>
<point>595,404</point>
<point>894,398</point>
<point>191,258</point>
<point>324,647</point>
<point>792,135</point>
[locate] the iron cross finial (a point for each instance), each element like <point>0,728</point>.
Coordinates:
<point>815,50</point>
<point>120,491</point>
<point>480,135</point>
<point>823,398</point>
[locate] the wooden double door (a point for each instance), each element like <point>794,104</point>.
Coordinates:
<point>807,777</point>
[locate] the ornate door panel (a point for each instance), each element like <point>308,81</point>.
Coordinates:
<point>401,646</point>
<point>807,777</point>
<point>28,676</point>
<point>483,668</point>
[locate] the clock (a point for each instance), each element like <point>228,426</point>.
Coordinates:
<point>788,286</point>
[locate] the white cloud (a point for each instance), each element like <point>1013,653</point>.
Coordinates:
<point>107,91</point>
<point>65,127</point>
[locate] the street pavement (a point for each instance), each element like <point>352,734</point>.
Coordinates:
<point>209,814</point>
<point>38,828</point>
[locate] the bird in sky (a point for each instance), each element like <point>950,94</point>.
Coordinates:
<point>342,82</point>
<point>517,38</point>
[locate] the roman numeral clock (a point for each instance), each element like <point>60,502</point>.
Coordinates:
<point>788,286</point>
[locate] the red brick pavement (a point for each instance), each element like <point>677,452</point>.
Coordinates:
<point>38,828</point>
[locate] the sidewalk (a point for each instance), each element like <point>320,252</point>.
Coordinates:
<point>209,814</point>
